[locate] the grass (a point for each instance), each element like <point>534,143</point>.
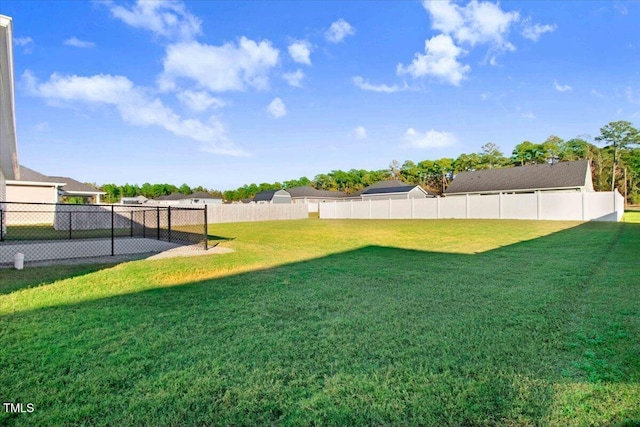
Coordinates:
<point>47,232</point>
<point>316,322</point>
<point>632,216</point>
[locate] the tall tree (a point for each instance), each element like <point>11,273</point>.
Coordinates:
<point>185,189</point>
<point>490,155</point>
<point>618,135</point>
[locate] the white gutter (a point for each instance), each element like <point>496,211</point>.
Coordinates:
<point>36,183</point>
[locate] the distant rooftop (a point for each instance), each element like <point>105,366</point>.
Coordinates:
<point>533,177</point>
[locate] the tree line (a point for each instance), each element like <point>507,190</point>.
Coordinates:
<point>615,164</point>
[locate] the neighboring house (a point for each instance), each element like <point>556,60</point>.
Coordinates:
<point>138,200</point>
<point>9,169</point>
<point>563,176</point>
<point>36,187</point>
<point>200,198</point>
<point>309,194</point>
<point>197,198</point>
<point>169,200</point>
<point>389,190</point>
<point>312,197</point>
<point>272,196</point>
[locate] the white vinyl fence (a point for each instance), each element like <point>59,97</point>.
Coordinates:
<point>255,212</point>
<point>585,206</point>
<point>90,217</point>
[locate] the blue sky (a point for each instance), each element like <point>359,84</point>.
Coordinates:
<point>222,94</point>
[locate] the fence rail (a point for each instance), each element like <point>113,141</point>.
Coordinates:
<point>102,229</point>
<point>568,206</point>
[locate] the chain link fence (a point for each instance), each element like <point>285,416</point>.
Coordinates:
<point>48,231</point>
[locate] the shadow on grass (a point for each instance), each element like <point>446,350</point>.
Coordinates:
<point>12,280</point>
<point>377,335</point>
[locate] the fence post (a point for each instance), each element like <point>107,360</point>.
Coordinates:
<point>131,223</point>
<point>466,206</point>
<point>169,222</point>
<point>206,234</point>
<point>70,214</point>
<point>113,252</point>
<point>2,225</point>
<point>144,223</point>
<point>158,221</point>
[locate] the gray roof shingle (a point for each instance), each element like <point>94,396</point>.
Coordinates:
<point>544,176</point>
<point>380,184</point>
<point>384,190</point>
<point>71,185</point>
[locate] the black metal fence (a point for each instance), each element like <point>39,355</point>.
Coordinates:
<point>46,231</point>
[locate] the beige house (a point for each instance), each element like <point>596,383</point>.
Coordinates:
<point>34,187</point>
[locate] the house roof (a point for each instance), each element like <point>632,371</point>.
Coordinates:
<point>534,177</point>
<point>386,190</point>
<point>200,195</point>
<point>267,195</point>
<point>73,186</point>
<point>308,191</point>
<point>27,174</point>
<point>380,184</point>
<point>172,196</point>
<point>70,186</point>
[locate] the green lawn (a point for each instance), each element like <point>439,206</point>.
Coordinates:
<point>321,322</point>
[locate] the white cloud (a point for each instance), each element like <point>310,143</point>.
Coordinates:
<point>134,104</point>
<point>476,23</point>
<point>440,60</point>
<point>300,52</point>
<point>338,31</point>
<point>26,43</point>
<point>429,139</point>
<point>294,78</point>
<point>528,115</point>
<point>534,32</point>
<point>364,85</point>
<point>562,88</point>
<point>199,101</point>
<point>277,108</point>
<point>597,94</point>
<point>232,66</point>
<point>168,19</point>
<point>75,42</point>
<point>463,28</point>
<point>359,132</point>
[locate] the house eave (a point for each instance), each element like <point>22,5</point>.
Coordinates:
<point>517,190</point>
<point>83,193</point>
<point>36,183</point>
